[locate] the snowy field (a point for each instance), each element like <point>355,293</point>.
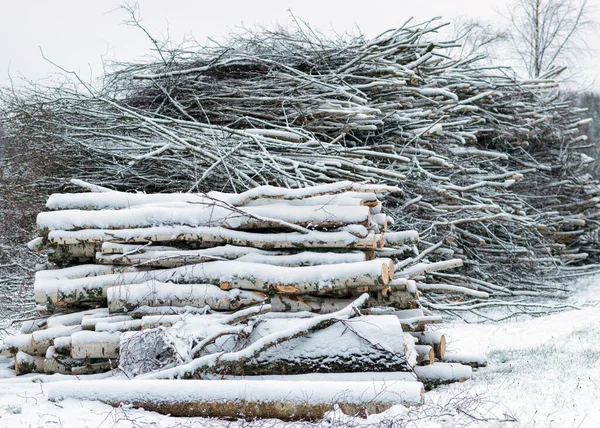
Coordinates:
<point>542,372</point>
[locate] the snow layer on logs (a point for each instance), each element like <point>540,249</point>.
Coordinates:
<point>173,258</point>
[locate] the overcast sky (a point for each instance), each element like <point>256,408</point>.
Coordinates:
<point>78,34</point>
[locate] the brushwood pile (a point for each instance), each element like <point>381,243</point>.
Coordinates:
<point>491,168</point>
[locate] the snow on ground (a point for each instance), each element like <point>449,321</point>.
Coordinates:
<point>542,372</point>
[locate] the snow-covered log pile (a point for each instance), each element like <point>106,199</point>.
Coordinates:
<point>489,166</point>
<point>271,281</point>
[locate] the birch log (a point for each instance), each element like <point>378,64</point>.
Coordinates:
<point>126,298</point>
<point>176,258</point>
<point>213,236</point>
<point>210,215</point>
<point>245,399</point>
<point>121,200</point>
<point>318,280</point>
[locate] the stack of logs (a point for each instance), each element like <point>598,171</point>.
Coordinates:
<point>271,281</point>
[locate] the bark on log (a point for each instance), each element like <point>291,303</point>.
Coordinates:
<point>169,259</point>
<point>443,373</point>
<point>368,343</point>
<point>91,344</point>
<point>230,274</point>
<point>154,321</point>
<point>89,323</point>
<point>405,237</point>
<point>246,399</point>
<point>120,200</point>
<point>451,289</point>
<point>278,216</point>
<point>422,268</point>
<point>126,298</point>
<point>213,236</point>
<point>43,339</point>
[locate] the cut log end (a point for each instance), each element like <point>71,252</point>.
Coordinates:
<point>286,289</point>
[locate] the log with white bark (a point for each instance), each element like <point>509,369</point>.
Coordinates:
<point>41,340</point>
<point>346,199</point>
<point>306,258</point>
<point>112,327</point>
<point>213,236</point>
<point>435,339</point>
<point>245,399</point>
<point>92,344</point>
<point>176,258</point>
<point>442,373</point>
<point>422,268</point>
<point>121,200</point>
<point>400,253</point>
<point>319,280</point>
<point>75,318</point>
<point>249,218</point>
<point>125,298</point>
<point>116,248</point>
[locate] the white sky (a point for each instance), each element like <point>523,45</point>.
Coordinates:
<point>77,34</point>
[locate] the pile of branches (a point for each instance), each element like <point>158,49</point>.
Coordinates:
<point>489,166</point>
